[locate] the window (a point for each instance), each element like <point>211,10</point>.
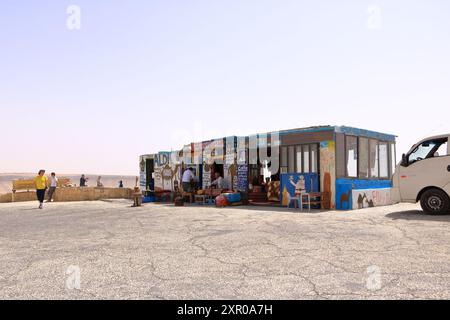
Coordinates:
<point>306,158</point>
<point>291,159</point>
<point>421,152</point>
<point>314,158</point>
<point>298,164</point>
<point>384,159</point>
<point>369,158</point>
<point>428,149</point>
<point>393,158</point>
<point>351,152</point>
<point>284,160</point>
<point>373,158</point>
<point>363,157</point>
<point>300,159</point>
<point>442,150</point>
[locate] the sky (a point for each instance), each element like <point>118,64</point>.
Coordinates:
<point>139,77</point>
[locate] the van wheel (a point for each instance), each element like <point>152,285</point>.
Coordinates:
<point>435,201</point>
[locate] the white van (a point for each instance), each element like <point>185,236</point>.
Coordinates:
<point>424,175</point>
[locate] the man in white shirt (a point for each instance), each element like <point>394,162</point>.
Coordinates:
<point>219,182</point>
<point>188,176</point>
<point>53,186</point>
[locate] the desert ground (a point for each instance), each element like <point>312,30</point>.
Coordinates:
<point>108,250</point>
<point>108,180</point>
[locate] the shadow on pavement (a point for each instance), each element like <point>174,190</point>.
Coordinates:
<point>416,215</point>
<point>260,208</point>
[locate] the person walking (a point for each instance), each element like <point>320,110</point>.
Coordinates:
<point>41,182</point>
<point>53,186</point>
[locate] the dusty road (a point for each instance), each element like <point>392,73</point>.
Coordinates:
<point>162,252</point>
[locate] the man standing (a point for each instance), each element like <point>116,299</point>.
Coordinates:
<point>53,186</point>
<point>188,176</point>
<point>41,185</point>
<point>83,180</point>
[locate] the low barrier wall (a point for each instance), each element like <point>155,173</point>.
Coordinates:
<point>72,194</point>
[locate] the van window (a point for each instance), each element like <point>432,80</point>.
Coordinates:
<point>428,149</point>
<point>442,150</point>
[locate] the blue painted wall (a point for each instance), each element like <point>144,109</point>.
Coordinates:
<point>344,189</point>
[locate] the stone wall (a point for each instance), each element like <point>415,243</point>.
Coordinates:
<point>73,194</point>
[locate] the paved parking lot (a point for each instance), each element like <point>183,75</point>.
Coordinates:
<point>106,249</point>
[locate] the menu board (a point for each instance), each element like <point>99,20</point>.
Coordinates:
<point>242,177</point>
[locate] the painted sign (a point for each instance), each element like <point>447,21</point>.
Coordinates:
<point>344,195</point>
<point>230,172</point>
<point>142,174</point>
<point>242,177</point>
<point>143,181</point>
<point>292,183</point>
<point>167,176</point>
<point>368,198</point>
<point>345,199</point>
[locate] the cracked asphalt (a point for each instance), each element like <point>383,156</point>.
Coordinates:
<point>196,252</point>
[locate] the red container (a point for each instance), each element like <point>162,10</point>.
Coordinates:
<point>221,201</point>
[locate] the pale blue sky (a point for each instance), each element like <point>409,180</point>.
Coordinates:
<point>144,76</point>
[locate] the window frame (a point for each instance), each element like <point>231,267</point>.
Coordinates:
<point>346,156</point>
<point>302,148</point>
<point>391,147</point>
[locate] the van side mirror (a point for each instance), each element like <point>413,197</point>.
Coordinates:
<point>404,160</point>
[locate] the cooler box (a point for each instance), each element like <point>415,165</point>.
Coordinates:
<point>233,197</point>
<point>148,199</point>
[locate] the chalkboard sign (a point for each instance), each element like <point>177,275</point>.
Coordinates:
<point>242,177</point>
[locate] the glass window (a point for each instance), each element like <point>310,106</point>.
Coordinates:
<point>314,158</point>
<point>393,157</point>
<point>384,159</point>
<point>352,156</point>
<point>442,149</point>
<point>284,157</point>
<point>306,158</point>
<point>373,158</point>
<point>298,153</point>
<point>363,155</point>
<point>423,151</point>
<point>291,161</point>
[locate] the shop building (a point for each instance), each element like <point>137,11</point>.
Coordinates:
<point>349,167</point>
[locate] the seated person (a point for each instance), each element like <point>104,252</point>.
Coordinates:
<point>219,182</point>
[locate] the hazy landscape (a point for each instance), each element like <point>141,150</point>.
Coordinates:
<point>107,180</point>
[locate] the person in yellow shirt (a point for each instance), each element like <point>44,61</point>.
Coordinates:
<point>41,182</point>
